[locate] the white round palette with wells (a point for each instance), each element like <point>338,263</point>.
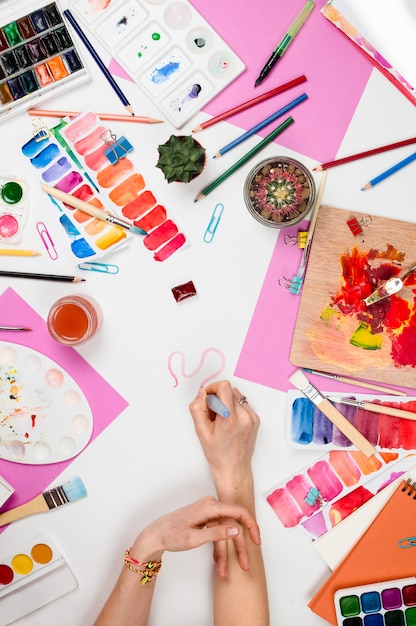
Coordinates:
<point>44,415</point>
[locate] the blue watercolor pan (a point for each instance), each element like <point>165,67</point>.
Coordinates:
<point>390,603</point>
<point>37,55</point>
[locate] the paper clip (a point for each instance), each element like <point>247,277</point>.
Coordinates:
<point>314,497</point>
<point>47,240</point>
<point>104,268</point>
<point>299,239</point>
<point>294,284</point>
<point>355,226</point>
<point>40,131</point>
<point>213,222</point>
<point>117,148</point>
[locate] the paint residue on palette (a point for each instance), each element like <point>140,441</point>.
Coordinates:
<point>329,490</point>
<point>44,415</point>
<point>387,326</point>
<point>310,428</point>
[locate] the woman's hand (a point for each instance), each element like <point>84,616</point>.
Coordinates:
<point>206,520</point>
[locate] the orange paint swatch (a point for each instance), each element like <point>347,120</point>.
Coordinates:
<point>127,190</point>
<point>139,206</point>
<point>110,175</point>
<point>152,219</point>
<point>344,467</point>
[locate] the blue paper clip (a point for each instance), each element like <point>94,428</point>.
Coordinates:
<point>92,266</point>
<point>213,222</point>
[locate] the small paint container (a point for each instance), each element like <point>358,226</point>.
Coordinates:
<point>279,192</point>
<point>32,575</point>
<point>73,320</point>
<point>13,208</point>
<point>6,490</point>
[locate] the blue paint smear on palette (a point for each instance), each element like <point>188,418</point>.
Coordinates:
<point>46,156</point>
<point>34,146</point>
<point>82,249</point>
<point>70,228</point>
<point>162,74</point>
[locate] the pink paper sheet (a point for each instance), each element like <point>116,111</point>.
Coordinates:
<point>106,403</point>
<point>336,72</point>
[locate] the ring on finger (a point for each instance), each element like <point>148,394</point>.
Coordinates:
<point>242,400</point>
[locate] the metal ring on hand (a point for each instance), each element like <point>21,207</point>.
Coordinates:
<point>242,400</point>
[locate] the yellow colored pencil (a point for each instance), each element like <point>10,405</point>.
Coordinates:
<point>17,252</point>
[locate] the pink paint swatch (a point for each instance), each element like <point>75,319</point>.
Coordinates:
<point>172,246</point>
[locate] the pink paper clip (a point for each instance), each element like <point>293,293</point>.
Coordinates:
<point>47,240</point>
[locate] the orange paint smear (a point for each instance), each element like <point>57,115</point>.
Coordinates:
<point>110,175</point>
<point>139,206</point>
<point>127,190</point>
<point>152,219</point>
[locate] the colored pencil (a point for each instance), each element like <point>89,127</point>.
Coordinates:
<point>312,224</point>
<point>261,125</point>
<point>301,382</point>
<point>54,277</point>
<point>287,39</point>
<point>250,103</point>
<point>220,179</point>
<point>17,328</point>
<point>392,170</point>
<point>373,407</point>
<point>112,117</point>
<point>17,252</point>
<point>366,153</point>
<point>357,383</point>
<point>88,208</point>
<point>106,73</point>
<point>69,491</point>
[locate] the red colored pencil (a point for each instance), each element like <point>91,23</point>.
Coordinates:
<point>250,103</point>
<point>367,153</point>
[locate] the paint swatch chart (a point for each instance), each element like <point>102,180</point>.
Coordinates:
<point>167,48</point>
<point>37,55</point>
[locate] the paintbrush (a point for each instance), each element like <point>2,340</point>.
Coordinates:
<point>15,328</point>
<point>100,214</point>
<point>375,408</point>
<point>300,381</point>
<point>69,491</point>
<point>357,383</point>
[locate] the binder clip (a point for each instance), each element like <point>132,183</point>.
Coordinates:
<point>314,497</point>
<point>40,131</point>
<point>355,226</point>
<point>294,284</point>
<point>117,148</point>
<point>299,239</point>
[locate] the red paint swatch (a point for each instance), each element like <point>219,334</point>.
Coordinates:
<point>172,246</point>
<point>139,206</point>
<point>160,235</point>
<point>152,219</point>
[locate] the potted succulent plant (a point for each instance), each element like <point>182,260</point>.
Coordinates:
<point>181,158</point>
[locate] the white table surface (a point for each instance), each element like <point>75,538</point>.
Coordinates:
<point>148,461</point>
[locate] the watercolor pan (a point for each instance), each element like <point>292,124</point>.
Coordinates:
<point>32,574</point>
<point>389,603</point>
<point>327,491</point>
<point>37,55</point>
<point>13,208</point>
<point>44,414</point>
<point>6,490</point>
<point>167,48</point>
<point>308,428</point>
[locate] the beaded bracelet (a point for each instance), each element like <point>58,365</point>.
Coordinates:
<point>152,568</point>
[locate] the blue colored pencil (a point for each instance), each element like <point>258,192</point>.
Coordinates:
<point>260,125</point>
<point>390,171</point>
<point>77,28</point>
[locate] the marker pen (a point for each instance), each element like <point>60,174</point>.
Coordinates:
<point>215,404</point>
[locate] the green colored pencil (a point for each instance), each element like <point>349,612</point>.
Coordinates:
<point>244,159</point>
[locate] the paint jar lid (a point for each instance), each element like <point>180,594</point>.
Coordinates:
<point>12,192</point>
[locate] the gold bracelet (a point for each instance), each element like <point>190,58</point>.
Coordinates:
<point>152,568</point>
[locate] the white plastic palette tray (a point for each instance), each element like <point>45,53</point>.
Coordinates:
<point>167,48</point>
<point>44,415</point>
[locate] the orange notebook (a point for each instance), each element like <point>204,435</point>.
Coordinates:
<point>385,551</point>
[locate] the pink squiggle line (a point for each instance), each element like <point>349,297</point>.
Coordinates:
<point>198,368</point>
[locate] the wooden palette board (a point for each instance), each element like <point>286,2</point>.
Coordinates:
<point>323,343</point>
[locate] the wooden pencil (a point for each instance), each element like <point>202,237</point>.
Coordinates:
<point>250,103</point>
<point>392,170</point>
<point>366,153</point>
<point>113,117</point>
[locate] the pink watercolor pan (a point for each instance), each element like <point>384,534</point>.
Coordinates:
<point>33,573</point>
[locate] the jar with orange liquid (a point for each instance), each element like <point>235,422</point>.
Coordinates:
<point>73,320</point>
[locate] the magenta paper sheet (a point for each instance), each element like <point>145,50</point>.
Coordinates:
<point>105,402</point>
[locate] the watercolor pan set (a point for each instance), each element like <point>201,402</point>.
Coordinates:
<point>309,428</point>
<point>332,487</point>
<point>167,48</point>
<point>123,188</point>
<point>44,415</point>
<point>13,208</point>
<point>37,55</point>
<point>32,575</point>
<point>389,603</point>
